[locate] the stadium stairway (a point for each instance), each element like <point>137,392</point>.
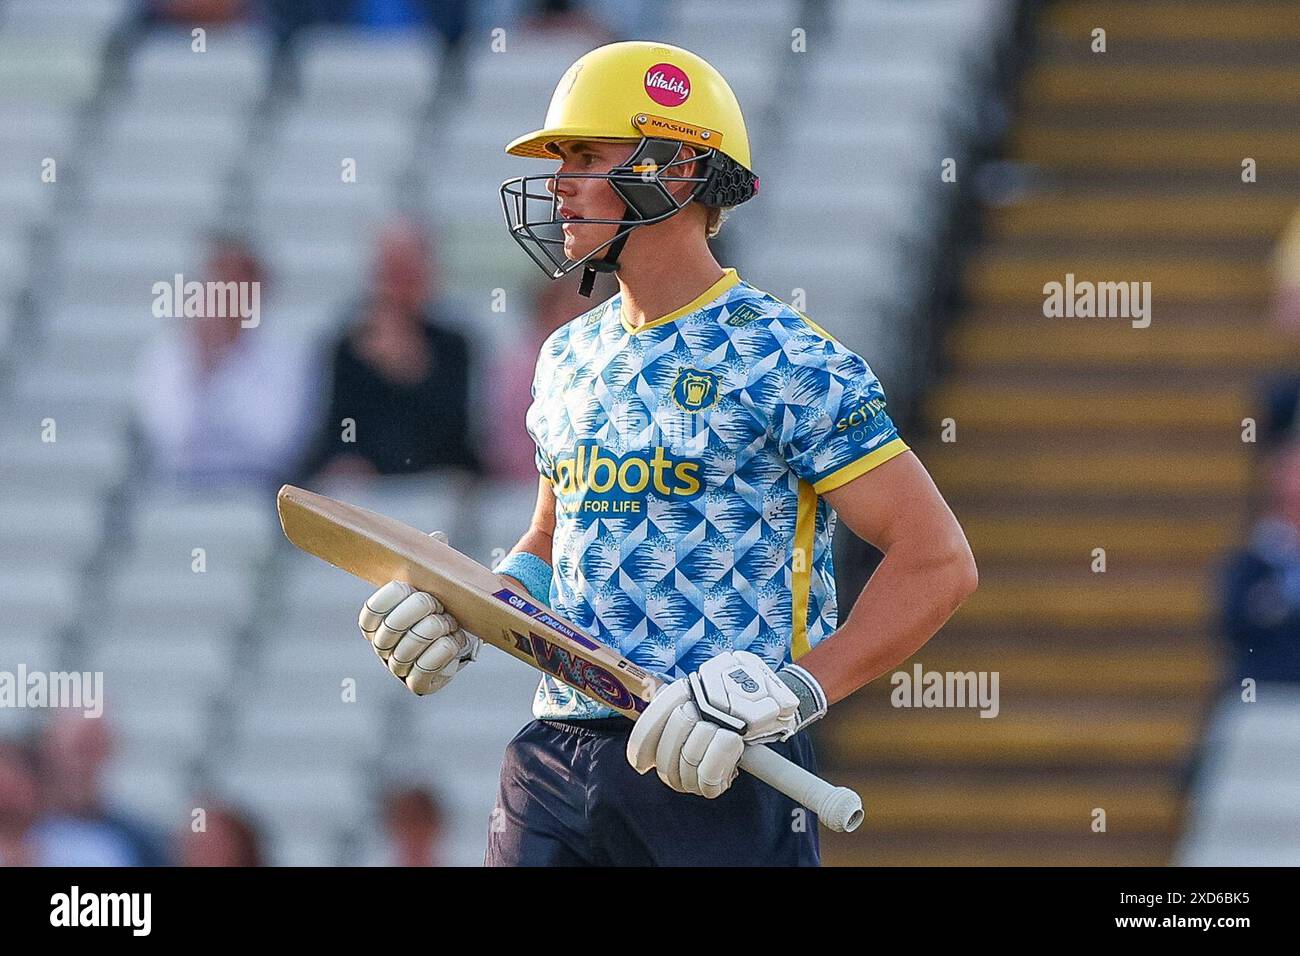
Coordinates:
<point>1074,434</point>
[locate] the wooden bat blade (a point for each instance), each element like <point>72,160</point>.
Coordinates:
<point>380,549</point>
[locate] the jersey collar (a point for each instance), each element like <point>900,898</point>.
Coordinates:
<point>729,279</point>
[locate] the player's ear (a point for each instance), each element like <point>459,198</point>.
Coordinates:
<point>694,168</point>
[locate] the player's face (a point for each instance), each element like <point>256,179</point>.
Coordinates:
<point>588,198</point>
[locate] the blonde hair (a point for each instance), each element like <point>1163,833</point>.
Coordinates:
<point>717,216</point>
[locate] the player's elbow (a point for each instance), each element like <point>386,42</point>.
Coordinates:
<point>957,570</point>
<point>966,573</point>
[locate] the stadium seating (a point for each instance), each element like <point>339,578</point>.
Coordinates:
<point>1245,806</point>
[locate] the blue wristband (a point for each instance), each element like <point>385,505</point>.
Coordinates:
<point>531,571</point>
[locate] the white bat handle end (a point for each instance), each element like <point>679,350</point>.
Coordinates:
<point>838,808</point>
<point>842,810</point>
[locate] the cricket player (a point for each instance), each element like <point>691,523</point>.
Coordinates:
<point>696,439</point>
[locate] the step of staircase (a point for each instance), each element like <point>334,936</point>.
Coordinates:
<point>1040,342</point>
<point>1073,434</point>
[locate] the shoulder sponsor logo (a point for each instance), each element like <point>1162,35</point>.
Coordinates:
<point>860,415</point>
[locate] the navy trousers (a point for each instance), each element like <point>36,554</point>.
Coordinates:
<point>568,797</point>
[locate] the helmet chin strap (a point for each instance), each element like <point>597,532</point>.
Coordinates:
<point>606,263</point>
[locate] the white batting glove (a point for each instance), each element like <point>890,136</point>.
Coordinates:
<point>695,729</point>
<point>417,639</point>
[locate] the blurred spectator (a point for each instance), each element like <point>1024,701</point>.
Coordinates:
<point>400,373</point>
<point>18,807</point>
<point>287,17</point>
<point>447,18</point>
<point>413,828</point>
<point>1282,411</point>
<point>75,828</point>
<point>219,402</point>
<point>1282,393</point>
<point>571,19</point>
<point>1261,599</point>
<point>511,452</point>
<point>1286,279</point>
<point>197,12</point>
<point>228,839</point>
<point>1261,607</point>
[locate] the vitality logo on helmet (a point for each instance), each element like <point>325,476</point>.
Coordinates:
<point>593,473</point>
<point>667,85</point>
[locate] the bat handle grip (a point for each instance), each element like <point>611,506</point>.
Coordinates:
<point>839,808</point>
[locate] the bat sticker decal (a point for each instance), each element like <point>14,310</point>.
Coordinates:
<point>592,679</point>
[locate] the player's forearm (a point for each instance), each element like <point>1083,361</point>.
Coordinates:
<point>916,588</point>
<point>535,541</point>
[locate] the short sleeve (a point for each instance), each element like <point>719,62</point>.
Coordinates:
<point>826,411</point>
<point>535,420</point>
<point>545,467</point>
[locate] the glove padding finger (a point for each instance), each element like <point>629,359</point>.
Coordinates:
<point>692,753</point>
<point>449,648</point>
<point>721,763</point>
<point>442,661</point>
<point>402,618</point>
<point>644,739</point>
<point>677,729</point>
<point>422,683</point>
<point>423,634</point>
<point>379,604</point>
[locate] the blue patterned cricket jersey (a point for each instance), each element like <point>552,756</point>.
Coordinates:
<point>688,458</point>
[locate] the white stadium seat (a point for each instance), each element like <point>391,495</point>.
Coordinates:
<point>1245,805</point>
<point>92,19</point>
<point>80,458</point>
<point>368,73</point>
<point>58,72</point>
<point>158,791</point>
<point>229,76</point>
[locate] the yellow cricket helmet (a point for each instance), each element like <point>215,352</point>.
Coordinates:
<point>664,97</point>
<point>634,89</point>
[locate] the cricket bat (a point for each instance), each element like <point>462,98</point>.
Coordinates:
<point>380,549</point>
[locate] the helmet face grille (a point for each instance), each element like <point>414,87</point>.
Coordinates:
<point>532,210</point>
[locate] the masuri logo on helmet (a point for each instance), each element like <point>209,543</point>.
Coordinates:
<point>614,93</point>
